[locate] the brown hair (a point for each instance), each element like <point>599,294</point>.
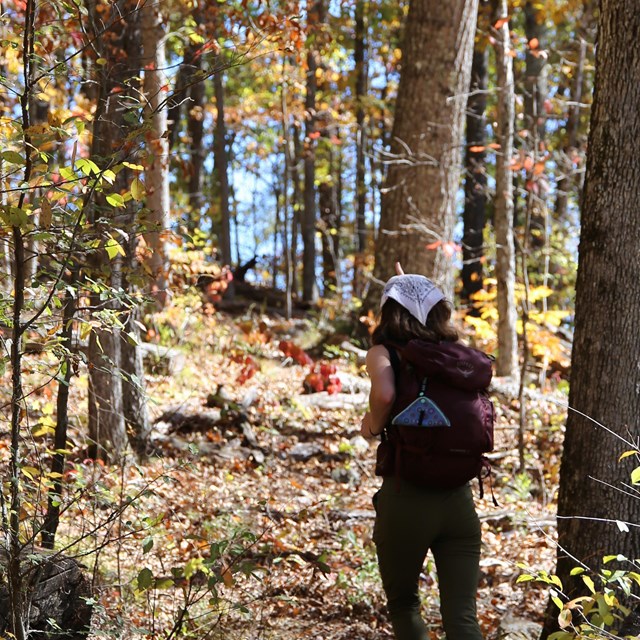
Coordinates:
<point>398,326</point>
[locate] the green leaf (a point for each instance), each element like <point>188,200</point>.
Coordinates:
<point>576,571</point>
<point>164,583</point>
<point>619,557</point>
<point>13,157</point>
<point>145,579</point>
<point>115,200</point>
<point>147,544</point>
<point>635,476</point>
<point>68,174</point>
<point>113,248</point>
<point>555,580</point>
<point>524,578</point>
<point>558,602</point>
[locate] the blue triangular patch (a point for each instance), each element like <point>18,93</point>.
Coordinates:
<point>422,412</point>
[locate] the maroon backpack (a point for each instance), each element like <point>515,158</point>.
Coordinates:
<point>442,419</point>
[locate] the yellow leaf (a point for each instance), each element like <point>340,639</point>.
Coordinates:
<point>137,190</point>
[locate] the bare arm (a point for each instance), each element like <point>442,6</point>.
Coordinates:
<point>382,394</point>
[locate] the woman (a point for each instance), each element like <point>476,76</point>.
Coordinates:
<point>411,520</point>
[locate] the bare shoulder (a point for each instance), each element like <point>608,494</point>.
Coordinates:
<point>378,355</point>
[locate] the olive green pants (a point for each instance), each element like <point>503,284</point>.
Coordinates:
<point>411,520</point>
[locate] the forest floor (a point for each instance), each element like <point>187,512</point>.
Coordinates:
<point>253,518</point>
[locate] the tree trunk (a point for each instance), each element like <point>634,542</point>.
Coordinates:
<point>115,81</point>
<point>58,597</point>
<point>361,87</point>
<point>329,218</point>
<point>221,163</point>
<point>309,288</point>
<point>361,70</point>
<point>52,516</point>
<point>418,205</point>
<point>605,377</point>
<point>507,361</point>
<point>570,147</point>
<point>298,205</point>
<point>107,435</point>
<point>152,27</point>
<point>535,95</point>
<point>475,185</point>
<point>195,127</point>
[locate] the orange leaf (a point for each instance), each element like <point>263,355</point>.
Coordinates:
<point>314,135</point>
<point>477,149</point>
<point>501,22</point>
<point>538,168</point>
<point>534,43</point>
<point>434,245</point>
<point>494,145</point>
<point>511,53</point>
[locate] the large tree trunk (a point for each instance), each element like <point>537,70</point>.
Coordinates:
<point>605,375</point>
<point>507,361</point>
<point>418,205</point>
<point>106,421</point>
<point>475,185</point>
<point>152,26</point>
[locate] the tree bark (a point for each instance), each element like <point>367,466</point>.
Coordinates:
<point>605,371</point>
<point>152,27</point>
<point>566,181</point>
<point>361,70</point>
<point>475,185</point>
<point>418,204</point>
<point>507,360</point>
<point>535,95</point>
<point>221,163</point>
<point>329,217</point>
<point>361,88</point>
<point>309,288</point>
<point>106,427</point>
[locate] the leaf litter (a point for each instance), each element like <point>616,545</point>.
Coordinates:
<point>253,517</point>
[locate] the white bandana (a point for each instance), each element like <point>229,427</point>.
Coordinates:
<point>417,294</point>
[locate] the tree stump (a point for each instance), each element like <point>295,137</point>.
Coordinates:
<point>59,597</point>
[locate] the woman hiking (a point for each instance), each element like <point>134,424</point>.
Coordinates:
<point>413,519</point>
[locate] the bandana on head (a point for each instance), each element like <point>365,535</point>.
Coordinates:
<point>417,294</point>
